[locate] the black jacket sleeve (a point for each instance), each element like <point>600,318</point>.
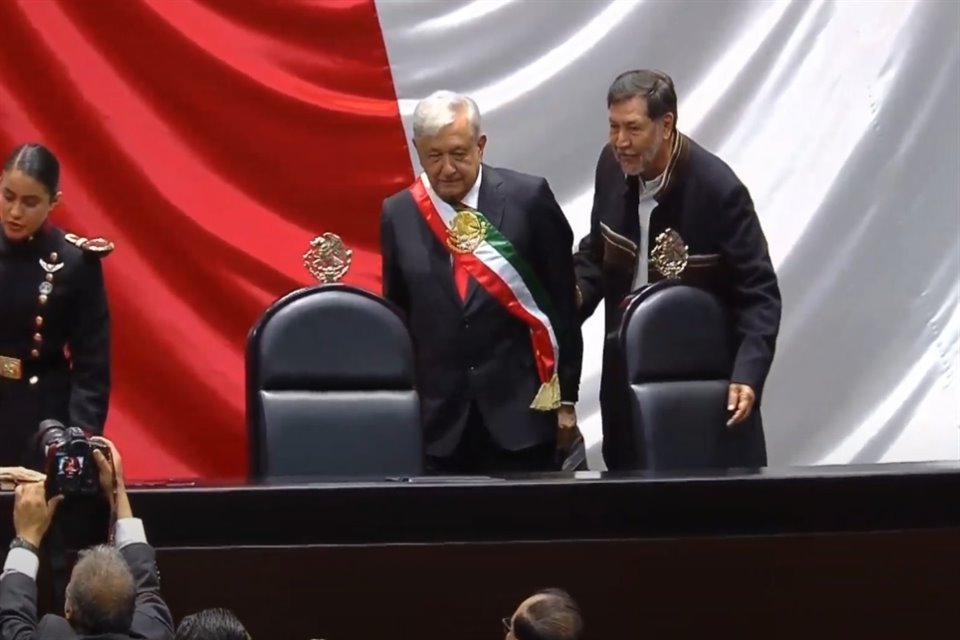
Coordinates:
<point>394,287</point>
<point>556,272</point>
<point>756,293</point>
<point>588,260</point>
<point>151,619</point>
<point>18,607</point>
<point>88,339</point>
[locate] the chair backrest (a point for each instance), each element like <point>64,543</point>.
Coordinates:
<point>677,348</point>
<point>330,387</point>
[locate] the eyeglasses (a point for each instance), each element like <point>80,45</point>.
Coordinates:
<point>507,624</point>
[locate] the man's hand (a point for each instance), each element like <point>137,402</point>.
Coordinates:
<point>740,400</point>
<point>109,469</point>
<point>20,475</point>
<point>567,430</point>
<point>32,513</point>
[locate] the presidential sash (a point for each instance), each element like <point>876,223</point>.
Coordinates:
<point>488,256</point>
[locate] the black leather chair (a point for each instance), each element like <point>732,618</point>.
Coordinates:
<point>330,388</point>
<point>676,342</point>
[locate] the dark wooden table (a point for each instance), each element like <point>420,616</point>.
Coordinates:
<point>823,552</point>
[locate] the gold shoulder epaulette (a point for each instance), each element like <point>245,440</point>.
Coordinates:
<point>95,246</point>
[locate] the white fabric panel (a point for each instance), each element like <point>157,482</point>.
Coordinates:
<point>843,119</point>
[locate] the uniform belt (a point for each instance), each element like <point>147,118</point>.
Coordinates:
<point>11,368</point>
<point>16,369</point>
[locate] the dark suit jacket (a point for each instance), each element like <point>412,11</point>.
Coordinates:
<point>707,204</point>
<point>76,389</point>
<point>151,621</point>
<point>476,351</point>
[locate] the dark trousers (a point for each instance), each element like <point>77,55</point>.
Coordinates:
<point>622,450</point>
<point>478,453</point>
<point>56,563</point>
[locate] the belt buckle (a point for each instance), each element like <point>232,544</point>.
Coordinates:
<point>11,368</point>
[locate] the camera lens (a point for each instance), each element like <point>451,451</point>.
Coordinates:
<point>49,432</point>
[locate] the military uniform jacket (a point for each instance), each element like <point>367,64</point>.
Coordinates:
<point>54,338</point>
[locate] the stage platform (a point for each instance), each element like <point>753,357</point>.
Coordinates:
<point>869,551</point>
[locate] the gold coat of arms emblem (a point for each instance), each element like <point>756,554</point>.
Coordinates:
<point>328,259</point>
<point>467,231</point>
<point>670,254</point>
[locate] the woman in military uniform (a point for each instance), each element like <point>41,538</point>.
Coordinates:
<point>54,319</point>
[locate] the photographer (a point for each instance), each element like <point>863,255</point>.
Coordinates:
<point>114,591</point>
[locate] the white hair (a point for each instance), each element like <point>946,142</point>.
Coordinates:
<point>440,109</point>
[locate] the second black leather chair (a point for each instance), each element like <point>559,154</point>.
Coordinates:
<point>676,344</point>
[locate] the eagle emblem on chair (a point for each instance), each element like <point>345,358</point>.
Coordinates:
<point>328,259</point>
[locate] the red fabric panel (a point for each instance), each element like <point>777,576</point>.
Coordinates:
<point>210,141</point>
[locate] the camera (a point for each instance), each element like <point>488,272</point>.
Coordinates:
<point>84,517</point>
<point>70,467</point>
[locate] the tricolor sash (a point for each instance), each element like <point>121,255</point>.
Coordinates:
<point>488,256</point>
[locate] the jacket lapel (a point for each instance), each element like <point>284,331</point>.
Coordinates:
<point>667,215</point>
<point>441,266</point>
<point>492,203</point>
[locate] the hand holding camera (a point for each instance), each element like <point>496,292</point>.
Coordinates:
<point>86,474</point>
<point>110,468</point>
<point>32,512</point>
<point>71,467</point>
<point>78,465</point>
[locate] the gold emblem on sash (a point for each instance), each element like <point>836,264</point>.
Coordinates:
<point>466,232</point>
<point>669,255</point>
<point>328,259</point>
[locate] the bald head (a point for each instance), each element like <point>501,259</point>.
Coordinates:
<point>101,596</point>
<point>548,615</point>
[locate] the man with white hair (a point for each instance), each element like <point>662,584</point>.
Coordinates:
<point>479,260</point>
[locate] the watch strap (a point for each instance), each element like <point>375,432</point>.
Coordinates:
<point>20,543</point>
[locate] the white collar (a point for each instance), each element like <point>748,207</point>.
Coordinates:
<point>650,187</point>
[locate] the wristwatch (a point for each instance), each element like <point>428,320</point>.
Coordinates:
<point>20,543</point>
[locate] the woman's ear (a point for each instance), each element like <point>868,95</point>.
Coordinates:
<point>57,197</point>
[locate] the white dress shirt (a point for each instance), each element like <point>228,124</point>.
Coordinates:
<point>644,208</point>
<point>127,531</point>
<point>472,199</point>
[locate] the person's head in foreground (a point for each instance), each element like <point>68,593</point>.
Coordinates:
<point>550,614</point>
<point>101,595</point>
<point>212,624</point>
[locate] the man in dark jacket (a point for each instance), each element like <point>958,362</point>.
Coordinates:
<point>478,260</point>
<point>655,186</point>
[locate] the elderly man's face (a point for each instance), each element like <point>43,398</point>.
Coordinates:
<point>452,158</point>
<point>637,140</point>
